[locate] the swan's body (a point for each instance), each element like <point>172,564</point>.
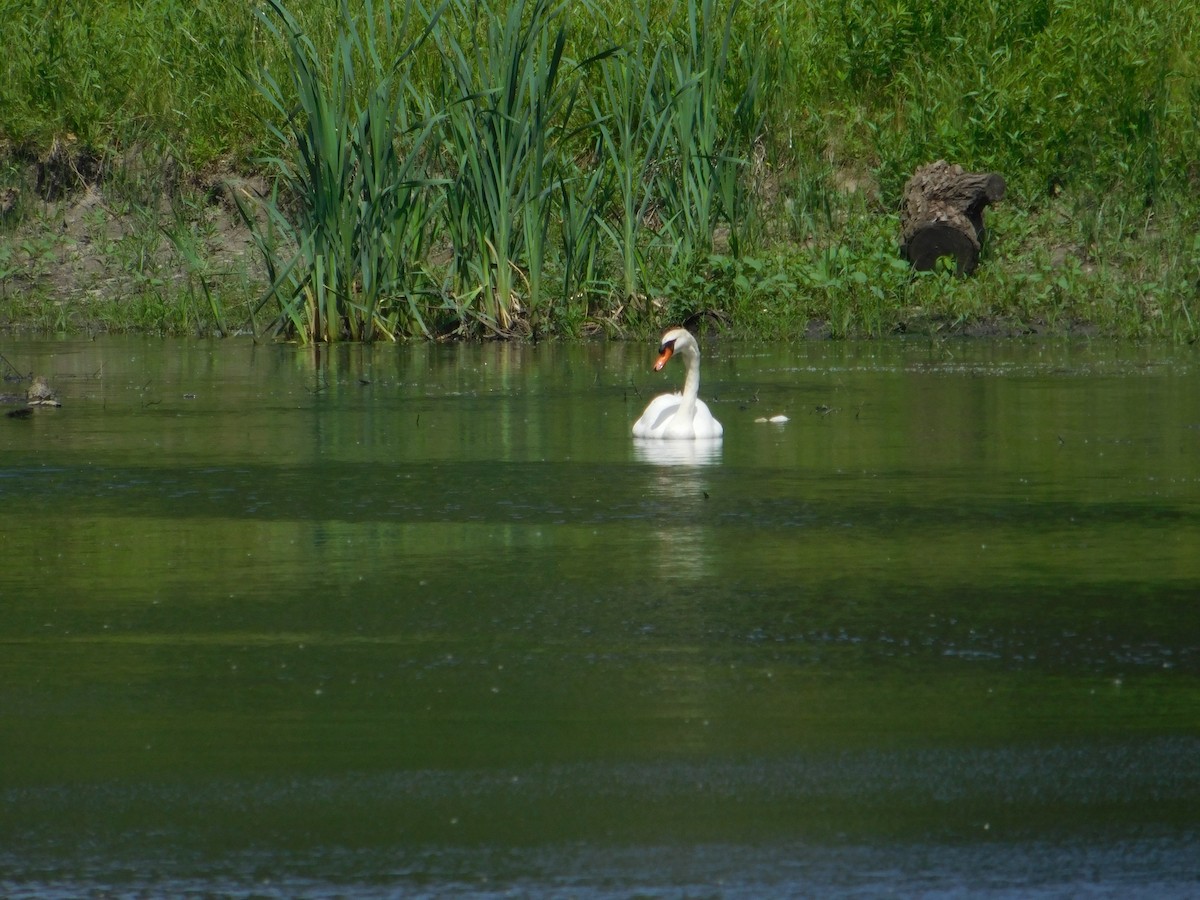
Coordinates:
<point>683,416</point>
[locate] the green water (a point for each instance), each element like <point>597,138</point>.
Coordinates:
<point>397,619</point>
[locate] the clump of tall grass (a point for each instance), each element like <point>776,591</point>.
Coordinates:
<point>632,117</point>
<point>345,245</point>
<point>709,151</point>
<point>510,95</point>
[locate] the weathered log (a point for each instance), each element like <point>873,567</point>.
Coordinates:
<point>942,215</point>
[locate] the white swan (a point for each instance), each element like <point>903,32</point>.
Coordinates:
<point>681,417</point>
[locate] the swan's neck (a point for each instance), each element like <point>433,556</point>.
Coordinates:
<point>691,384</point>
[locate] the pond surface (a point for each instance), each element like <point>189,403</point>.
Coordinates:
<point>414,621</point>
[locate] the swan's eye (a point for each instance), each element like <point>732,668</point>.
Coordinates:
<point>667,345</point>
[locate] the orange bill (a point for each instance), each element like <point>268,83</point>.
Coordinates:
<point>663,357</point>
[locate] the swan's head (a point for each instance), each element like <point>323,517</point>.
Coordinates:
<point>675,340</point>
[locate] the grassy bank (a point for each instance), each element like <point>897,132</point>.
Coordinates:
<point>527,169</point>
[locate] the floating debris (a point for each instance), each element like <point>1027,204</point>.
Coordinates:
<point>41,394</point>
<point>776,420</point>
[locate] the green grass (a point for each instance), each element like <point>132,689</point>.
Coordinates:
<point>535,169</point>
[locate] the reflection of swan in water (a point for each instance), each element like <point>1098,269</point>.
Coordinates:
<point>680,417</point>
<point>678,453</point>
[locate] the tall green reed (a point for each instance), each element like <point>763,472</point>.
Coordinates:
<point>345,242</point>
<point>708,101</point>
<point>511,95</point>
<point>583,198</point>
<point>632,118</point>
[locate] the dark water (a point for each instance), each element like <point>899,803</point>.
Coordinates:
<point>425,621</point>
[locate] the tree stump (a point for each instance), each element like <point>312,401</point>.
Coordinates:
<point>942,215</point>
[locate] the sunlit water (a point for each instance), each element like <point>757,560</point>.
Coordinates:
<point>422,621</point>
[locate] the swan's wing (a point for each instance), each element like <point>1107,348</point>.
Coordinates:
<point>654,420</point>
<point>705,422</point>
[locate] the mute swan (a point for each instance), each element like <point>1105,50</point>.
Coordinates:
<point>678,416</point>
